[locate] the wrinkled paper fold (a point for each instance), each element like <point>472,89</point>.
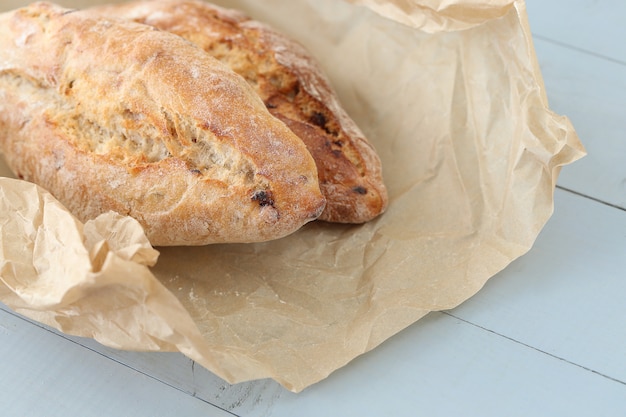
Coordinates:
<point>449,93</point>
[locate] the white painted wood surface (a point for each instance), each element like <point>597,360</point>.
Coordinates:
<point>582,54</point>
<point>546,337</point>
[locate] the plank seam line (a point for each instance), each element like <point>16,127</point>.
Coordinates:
<point>597,200</point>
<point>578,49</point>
<point>537,349</point>
<point>69,339</point>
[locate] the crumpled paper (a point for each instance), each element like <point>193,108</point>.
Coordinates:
<point>450,94</point>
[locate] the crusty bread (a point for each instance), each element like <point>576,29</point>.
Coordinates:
<point>294,89</point>
<point>115,115</point>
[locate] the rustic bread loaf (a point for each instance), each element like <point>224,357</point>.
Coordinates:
<point>114,115</point>
<point>293,88</point>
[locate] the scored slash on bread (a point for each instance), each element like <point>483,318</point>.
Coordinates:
<point>292,86</point>
<point>114,115</point>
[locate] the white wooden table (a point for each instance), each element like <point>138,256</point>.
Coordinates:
<point>546,337</point>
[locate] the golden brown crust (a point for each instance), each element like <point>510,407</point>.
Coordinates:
<point>293,88</point>
<point>114,115</point>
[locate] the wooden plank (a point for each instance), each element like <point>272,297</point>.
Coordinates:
<point>596,26</point>
<point>582,56</point>
<point>441,366</point>
<point>42,374</point>
<point>172,369</point>
<point>591,91</point>
<point>445,367</point>
<point>583,61</point>
<point>566,296</point>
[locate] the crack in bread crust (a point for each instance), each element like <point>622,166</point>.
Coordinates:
<point>129,138</point>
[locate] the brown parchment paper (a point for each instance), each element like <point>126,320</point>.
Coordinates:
<point>450,94</point>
